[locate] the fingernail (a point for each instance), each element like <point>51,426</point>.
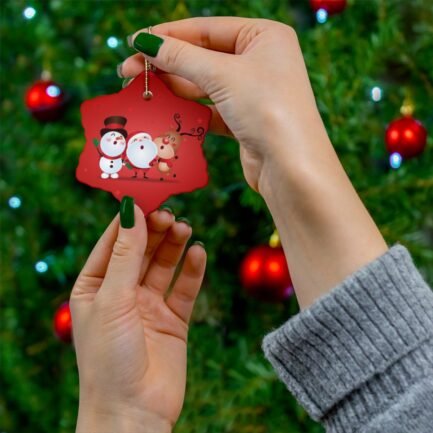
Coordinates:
<point>148,44</point>
<point>127,212</point>
<point>119,70</point>
<point>129,41</point>
<point>198,243</point>
<point>126,81</point>
<point>205,101</point>
<point>183,220</point>
<point>167,209</point>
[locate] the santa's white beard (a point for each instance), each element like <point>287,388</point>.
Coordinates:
<point>141,158</point>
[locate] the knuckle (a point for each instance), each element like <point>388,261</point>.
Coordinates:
<point>174,56</point>
<point>121,248</point>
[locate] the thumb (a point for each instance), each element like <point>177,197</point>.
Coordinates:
<point>124,267</point>
<point>175,56</point>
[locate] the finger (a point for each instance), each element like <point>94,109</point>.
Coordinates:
<point>163,265</point>
<point>97,262</point>
<point>134,66</point>
<point>181,58</point>
<point>91,276</point>
<point>182,297</point>
<point>213,33</point>
<point>217,124</point>
<point>124,267</point>
<point>182,87</point>
<point>158,223</point>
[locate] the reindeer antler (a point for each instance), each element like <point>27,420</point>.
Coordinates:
<point>176,118</point>
<point>195,133</point>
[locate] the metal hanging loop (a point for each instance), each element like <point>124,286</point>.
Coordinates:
<point>147,94</point>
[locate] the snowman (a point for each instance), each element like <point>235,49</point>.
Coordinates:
<point>112,146</point>
<point>141,153</point>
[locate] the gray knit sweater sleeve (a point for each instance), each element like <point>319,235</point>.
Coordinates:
<point>360,359</point>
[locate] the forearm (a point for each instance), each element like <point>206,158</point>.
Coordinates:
<point>95,419</point>
<point>325,230</point>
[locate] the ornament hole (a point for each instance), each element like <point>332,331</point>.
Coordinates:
<point>147,95</point>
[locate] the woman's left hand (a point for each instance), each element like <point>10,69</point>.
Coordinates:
<point>130,336</point>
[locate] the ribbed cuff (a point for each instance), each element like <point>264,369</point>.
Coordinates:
<point>354,347</point>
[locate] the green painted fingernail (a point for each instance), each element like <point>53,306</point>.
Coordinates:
<point>119,70</point>
<point>148,44</point>
<point>198,243</point>
<point>127,212</point>
<point>183,220</point>
<point>205,101</point>
<point>126,81</point>
<point>167,209</point>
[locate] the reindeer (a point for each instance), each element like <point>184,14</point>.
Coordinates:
<point>169,143</point>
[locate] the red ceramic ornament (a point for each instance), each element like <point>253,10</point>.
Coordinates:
<point>62,323</point>
<point>146,149</point>
<point>330,6</point>
<point>265,275</point>
<point>406,136</point>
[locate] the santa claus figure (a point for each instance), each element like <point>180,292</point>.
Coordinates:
<point>141,153</point>
<point>112,146</point>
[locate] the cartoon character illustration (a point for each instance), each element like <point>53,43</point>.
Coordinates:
<point>112,146</point>
<point>169,143</point>
<point>141,153</point>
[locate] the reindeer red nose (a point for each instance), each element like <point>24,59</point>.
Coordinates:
<point>166,140</point>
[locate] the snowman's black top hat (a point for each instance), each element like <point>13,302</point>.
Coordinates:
<point>114,124</point>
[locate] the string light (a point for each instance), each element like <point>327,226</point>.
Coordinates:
<point>112,42</point>
<point>376,94</point>
<point>53,91</point>
<point>14,202</point>
<point>29,13</point>
<point>321,16</point>
<point>395,160</point>
<point>41,266</point>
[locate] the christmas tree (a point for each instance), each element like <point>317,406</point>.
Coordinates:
<point>365,62</point>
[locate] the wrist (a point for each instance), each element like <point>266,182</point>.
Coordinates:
<point>325,230</point>
<point>115,418</point>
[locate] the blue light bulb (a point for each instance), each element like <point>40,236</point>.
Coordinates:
<point>29,13</point>
<point>395,160</point>
<point>41,267</point>
<point>321,15</point>
<point>14,202</point>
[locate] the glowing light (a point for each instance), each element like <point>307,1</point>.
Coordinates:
<point>254,266</point>
<point>41,267</point>
<point>29,13</point>
<point>408,133</point>
<point>274,266</point>
<point>112,42</point>
<point>53,91</point>
<point>394,135</point>
<point>395,160</point>
<point>376,94</point>
<point>14,202</point>
<point>321,16</point>
<point>64,317</point>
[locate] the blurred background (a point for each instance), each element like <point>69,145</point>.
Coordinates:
<point>371,67</point>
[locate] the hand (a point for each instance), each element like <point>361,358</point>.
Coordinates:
<point>253,71</point>
<point>130,337</point>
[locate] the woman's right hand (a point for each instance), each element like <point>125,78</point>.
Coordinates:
<point>254,72</point>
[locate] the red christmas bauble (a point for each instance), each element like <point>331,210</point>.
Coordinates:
<point>63,323</point>
<point>265,275</point>
<point>330,6</point>
<point>45,100</point>
<point>406,136</point>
